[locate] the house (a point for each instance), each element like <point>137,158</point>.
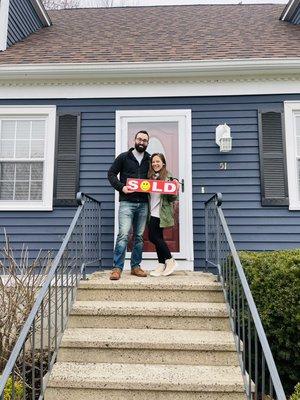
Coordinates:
<point>75,85</point>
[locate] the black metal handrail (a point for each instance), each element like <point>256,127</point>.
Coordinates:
<point>36,348</point>
<point>260,374</point>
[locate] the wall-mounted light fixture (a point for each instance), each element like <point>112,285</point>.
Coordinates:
<point>223,138</point>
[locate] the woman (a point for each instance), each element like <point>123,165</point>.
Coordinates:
<point>161,216</point>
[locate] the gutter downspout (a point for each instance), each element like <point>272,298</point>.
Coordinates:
<point>4,8</point>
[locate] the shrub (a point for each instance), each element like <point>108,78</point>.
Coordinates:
<point>274,278</point>
<point>296,394</point>
<point>18,390</point>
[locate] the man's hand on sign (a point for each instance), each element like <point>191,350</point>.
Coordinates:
<point>127,190</point>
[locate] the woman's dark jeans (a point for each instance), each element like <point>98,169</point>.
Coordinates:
<point>157,238</point>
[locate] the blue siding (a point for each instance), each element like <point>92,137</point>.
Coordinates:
<point>22,21</point>
<point>296,17</point>
<point>253,227</point>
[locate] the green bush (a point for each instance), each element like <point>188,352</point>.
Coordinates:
<point>19,390</point>
<point>274,278</point>
<point>296,394</point>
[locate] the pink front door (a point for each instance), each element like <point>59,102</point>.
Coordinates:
<point>163,139</point>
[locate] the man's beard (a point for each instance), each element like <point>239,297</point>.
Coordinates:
<point>140,147</point>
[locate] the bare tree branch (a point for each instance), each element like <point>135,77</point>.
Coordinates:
<point>109,3</point>
<point>60,4</point>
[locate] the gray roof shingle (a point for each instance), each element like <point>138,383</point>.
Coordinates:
<point>163,33</point>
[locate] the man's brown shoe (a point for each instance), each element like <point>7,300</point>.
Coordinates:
<point>138,272</point>
<point>115,274</point>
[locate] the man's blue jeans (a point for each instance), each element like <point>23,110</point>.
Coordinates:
<point>135,215</point>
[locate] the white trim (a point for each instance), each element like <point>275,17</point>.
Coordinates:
<point>49,112</point>
<point>291,108</point>
<point>184,118</point>
<point>156,87</point>
<point>149,69</point>
<point>41,12</point>
<point>4,9</point>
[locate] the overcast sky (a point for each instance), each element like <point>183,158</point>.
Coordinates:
<point>91,3</point>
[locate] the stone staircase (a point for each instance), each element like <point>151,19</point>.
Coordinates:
<point>148,338</point>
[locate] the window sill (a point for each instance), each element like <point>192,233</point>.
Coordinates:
<point>5,206</point>
<point>294,207</point>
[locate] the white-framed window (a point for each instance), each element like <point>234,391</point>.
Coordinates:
<point>27,146</point>
<point>292,128</point>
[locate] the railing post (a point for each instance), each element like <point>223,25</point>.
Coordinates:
<point>218,245</point>
<point>217,204</point>
<point>83,245</point>
<point>206,237</point>
<point>99,237</point>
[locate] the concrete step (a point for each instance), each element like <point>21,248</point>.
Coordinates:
<point>141,346</point>
<point>144,382</point>
<point>177,287</point>
<point>149,315</point>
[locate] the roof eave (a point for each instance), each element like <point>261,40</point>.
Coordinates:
<point>150,69</point>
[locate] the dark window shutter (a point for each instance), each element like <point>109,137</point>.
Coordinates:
<point>274,188</point>
<point>66,183</point>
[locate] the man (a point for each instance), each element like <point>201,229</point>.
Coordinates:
<point>133,210</point>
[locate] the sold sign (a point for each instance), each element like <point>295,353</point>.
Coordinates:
<point>152,186</point>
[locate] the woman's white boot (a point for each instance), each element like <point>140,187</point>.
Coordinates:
<point>171,264</point>
<point>158,270</point>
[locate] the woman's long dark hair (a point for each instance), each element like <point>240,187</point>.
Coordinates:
<point>163,173</point>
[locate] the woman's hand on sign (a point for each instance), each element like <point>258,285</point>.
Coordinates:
<point>127,189</point>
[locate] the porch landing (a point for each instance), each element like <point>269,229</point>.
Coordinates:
<point>181,278</point>
<point>180,286</point>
